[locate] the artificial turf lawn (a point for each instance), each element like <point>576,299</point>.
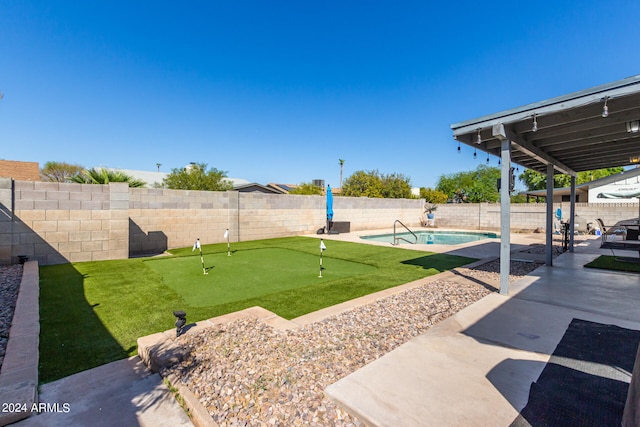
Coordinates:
<point>608,262</point>
<point>92,313</point>
<point>248,274</point>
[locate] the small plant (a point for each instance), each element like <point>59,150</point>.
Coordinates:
<point>430,208</point>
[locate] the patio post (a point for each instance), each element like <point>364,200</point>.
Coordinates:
<point>549,247</point>
<point>505,213</point>
<point>572,212</point>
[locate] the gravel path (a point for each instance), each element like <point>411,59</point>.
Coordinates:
<point>10,276</point>
<point>249,374</point>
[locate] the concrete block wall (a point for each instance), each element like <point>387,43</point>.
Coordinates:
<point>61,222</point>
<point>160,219</point>
<point>527,216</point>
<point>262,216</point>
<point>6,220</point>
<point>369,214</point>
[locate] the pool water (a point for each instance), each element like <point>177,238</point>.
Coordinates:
<point>434,237</point>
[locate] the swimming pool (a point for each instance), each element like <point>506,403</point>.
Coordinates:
<point>434,237</point>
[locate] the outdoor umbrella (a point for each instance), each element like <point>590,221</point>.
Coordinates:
<point>329,207</point>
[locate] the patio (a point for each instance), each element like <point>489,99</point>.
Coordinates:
<point>476,368</point>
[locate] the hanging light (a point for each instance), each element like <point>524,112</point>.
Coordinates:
<point>479,140</point>
<point>487,158</point>
<point>535,123</point>
<point>633,126</point>
<point>475,153</point>
<point>499,161</point>
<point>459,150</point>
<point>605,109</point>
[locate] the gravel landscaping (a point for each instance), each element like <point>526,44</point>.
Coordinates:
<point>249,374</point>
<point>10,277</point>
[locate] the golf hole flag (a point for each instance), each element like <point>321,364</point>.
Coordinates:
<point>196,245</point>
<point>322,248</point>
<point>226,236</point>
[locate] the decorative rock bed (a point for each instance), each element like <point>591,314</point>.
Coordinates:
<point>10,277</point>
<point>246,373</point>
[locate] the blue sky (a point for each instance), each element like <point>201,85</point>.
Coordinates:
<point>278,91</point>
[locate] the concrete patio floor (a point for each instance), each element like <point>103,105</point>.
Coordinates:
<point>476,368</point>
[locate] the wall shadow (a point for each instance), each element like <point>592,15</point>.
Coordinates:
<point>72,337</point>
<point>141,243</point>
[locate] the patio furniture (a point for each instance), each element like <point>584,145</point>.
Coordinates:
<point>608,232</point>
<point>629,240</point>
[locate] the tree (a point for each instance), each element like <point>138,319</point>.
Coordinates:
<point>476,186</point>
<point>374,184</point>
<point>341,162</point>
<point>433,196</point>
<point>396,186</point>
<point>105,176</point>
<point>363,184</point>
<point>197,177</point>
<point>306,188</point>
<point>59,171</point>
<point>537,181</point>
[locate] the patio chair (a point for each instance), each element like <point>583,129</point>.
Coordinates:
<point>603,231</point>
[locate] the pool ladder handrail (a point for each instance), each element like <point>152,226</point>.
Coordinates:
<point>395,239</point>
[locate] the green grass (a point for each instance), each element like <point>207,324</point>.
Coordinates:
<point>608,262</point>
<point>248,274</point>
<point>92,313</point>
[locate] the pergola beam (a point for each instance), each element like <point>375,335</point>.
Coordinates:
<point>536,153</point>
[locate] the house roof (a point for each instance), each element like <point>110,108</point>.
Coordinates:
<point>573,132</point>
<point>259,188</point>
<point>24,171</point>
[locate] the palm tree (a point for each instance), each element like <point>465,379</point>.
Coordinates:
<point>158,165</point>
<point>341,161</point>
<point>105,176</point>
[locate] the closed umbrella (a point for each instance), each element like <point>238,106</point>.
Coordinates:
<point>329,207</point>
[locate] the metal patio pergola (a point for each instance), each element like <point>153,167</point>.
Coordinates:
<point>590,129</point>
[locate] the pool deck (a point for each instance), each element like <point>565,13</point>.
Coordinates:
<point>480,249</point>
<point>476,367</point>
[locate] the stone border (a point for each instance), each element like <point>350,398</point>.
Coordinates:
<point>19,374</point>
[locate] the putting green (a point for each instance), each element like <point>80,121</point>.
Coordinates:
<point>249,274</point>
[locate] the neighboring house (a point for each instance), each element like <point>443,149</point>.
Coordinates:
<point>22,171</point>
<point>254,187</point>
<point>154,179</point>
<point>284,188</point>
<point>623,187</point>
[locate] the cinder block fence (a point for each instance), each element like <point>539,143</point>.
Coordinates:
<point>62,222</point>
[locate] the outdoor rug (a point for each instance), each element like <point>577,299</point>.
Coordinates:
<point>586,380</point>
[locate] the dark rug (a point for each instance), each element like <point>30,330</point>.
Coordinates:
<point>585,382</point>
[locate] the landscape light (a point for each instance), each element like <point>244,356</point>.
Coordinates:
<point>181,320</point>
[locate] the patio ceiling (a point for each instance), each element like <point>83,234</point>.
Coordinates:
<point>572,132</point>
